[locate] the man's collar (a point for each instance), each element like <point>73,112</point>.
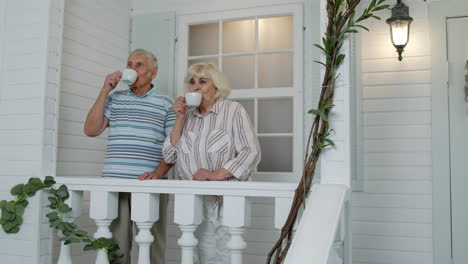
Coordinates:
<point>151,92</point>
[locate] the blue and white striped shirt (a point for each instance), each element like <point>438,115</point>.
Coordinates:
<point>137,129</point>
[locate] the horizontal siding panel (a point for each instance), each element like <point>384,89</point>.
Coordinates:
<point>27,32</point>
<point>17,76</point>
<point>21,153</point>
<point>397,132</point>
<point>18,168</point>
<point>77,102</point>
<point>398,118</point>
<point>24,60</point>
<point>21,137</point>
<point>80,89</point>
<point>397,145</point>
<point>93,61</point>
<point>80,155</point>
<point>392,257</point>
<point>20,107</point>
<point>398,159</point>
<point>396,91</point>
<point>399,215</point>
<point>388,229</point>
<point>17,259</point>
<point>81,142</point>
<point>392,65</point>
<point>407,77</point>
<point>75,128</point>
<point>360,199</point>
<point>79,76</point>
<point>18,122</point>
<point>77,168</point>
<point>406,104</point>
<point>100,52</point>
<point>21,91</point>
<point>402,187</point>
<point>72,114</point>
<point>399,173</point>
<point>392,243</point>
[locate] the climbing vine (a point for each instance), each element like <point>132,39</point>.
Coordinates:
<point>12,216</point>
<point>342,20</point>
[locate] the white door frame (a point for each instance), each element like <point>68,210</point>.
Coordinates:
<point>441,224</point>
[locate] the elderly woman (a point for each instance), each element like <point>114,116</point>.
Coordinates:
<point>212,142</point>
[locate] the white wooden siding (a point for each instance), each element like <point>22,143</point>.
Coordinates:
<point>27,67</point>
<point>392,217</point>
<point>95,43</point>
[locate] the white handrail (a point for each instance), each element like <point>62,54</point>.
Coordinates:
<point>231,188</point>
<point>317,228</point>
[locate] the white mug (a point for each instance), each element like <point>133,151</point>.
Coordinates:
<point>193,99</point>
<point>129,76</point>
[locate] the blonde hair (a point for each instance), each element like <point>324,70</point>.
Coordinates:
<point>209,71</point>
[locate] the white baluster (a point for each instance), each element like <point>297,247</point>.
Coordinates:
<point>145,211</point>
<point>236,216</point>
<point>75,202</point>
<point>188,215</point>
<point>103,209</point>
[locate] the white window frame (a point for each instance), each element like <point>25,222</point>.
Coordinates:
<point>295,92</point>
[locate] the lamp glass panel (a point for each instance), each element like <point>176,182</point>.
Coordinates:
<point>275,33</point>
<point>399,30</point>
<point>277,154</point>
<point>275,70</point>
<point>275,115</point>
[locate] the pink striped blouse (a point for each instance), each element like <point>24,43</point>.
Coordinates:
<point>224,138</point>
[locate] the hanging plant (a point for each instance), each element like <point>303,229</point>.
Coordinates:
<point>342,20</point>
<point>12,216</point>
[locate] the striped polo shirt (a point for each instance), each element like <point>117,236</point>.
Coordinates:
<point>137,129</point>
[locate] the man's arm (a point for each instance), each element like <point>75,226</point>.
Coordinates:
<point>96,123</point>
<point>158,173</point>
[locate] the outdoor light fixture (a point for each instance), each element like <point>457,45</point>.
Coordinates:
<point>399,27</point>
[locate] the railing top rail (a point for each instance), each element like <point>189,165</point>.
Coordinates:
<point>231,188</point>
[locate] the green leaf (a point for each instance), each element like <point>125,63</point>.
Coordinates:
<point>49,181</point>
<point>64,208</point>
<point>19,209</point>
<point>52,215</point>
<point>89,247</point>
<point>62,192</point>
<point>312,111</point>
<point>30,189</point>
<point>2,204</point>
<point>319,62</point>
<point>35,181</point>
<point>17,190</point>
<point>323,116</point>
<point>330,142</point>
<point>8,227</point>
<point>320,47</point>
<point>363,27</point>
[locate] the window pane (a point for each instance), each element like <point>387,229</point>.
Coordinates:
<point>275,70</point>
<point>212,61</point>
<point>248,104</point>
<point>239,36</point>
<point>276,154</point>
<point>203,39</point>
<point>275,33</point>
<point>275,115</point>
<point>239,71</point>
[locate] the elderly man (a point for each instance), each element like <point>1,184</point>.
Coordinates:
<point>139,120</point>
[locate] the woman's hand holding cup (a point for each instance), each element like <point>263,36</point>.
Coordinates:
<point>180,107</point>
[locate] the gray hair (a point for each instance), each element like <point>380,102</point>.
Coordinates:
<point>208,70</point>
<point>150,56</point>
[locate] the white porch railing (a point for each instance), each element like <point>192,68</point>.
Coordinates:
<point>188,212</point>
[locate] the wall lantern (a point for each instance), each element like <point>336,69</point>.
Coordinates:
<point>399,27</point>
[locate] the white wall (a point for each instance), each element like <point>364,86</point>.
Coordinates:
<point>95,43</point>
<point>392,217</point>
<point>28,75</point>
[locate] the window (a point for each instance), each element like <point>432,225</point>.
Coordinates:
<point>260,52</point>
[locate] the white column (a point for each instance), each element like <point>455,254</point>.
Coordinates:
<point>188,215</point>
<point>236,216</point>
<point>75,202</point>
<point>103,209</point>
<point>145,211</point>
<point>282,207</point>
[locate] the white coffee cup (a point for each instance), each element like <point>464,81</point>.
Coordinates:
<point>193,99</point>
<point>129,76</point>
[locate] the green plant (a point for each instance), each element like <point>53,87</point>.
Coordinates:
<point>12,216</point>
<point>342,20</point>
